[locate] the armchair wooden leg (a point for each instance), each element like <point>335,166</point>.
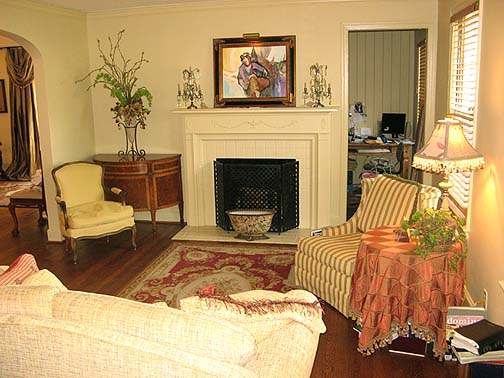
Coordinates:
<point>133,236</point>
<point>67,244</point>
<point>73,245</point>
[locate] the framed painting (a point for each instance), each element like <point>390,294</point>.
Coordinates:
<point>3,97</point>
<point>255,72</point>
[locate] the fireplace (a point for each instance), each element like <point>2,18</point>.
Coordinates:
<point>257,184</point>
<point>315,137</point>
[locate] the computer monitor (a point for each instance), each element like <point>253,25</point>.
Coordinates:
<point>393,123</point>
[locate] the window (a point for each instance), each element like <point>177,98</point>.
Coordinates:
<point>421,77</point>
<point>463,90</point>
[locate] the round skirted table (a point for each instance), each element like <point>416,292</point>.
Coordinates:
<point>396,291</point>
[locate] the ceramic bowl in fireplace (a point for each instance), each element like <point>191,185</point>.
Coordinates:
<point>251,224</point>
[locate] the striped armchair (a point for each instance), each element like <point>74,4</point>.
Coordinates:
<point>324,262</point>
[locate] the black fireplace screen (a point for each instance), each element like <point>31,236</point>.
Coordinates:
<point>257,184</point>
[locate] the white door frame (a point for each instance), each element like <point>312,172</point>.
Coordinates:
<point>430,102</point>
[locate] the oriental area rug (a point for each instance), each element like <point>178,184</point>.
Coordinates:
<point>187,267</point>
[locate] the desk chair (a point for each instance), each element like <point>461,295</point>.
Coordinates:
<point>382,165</point>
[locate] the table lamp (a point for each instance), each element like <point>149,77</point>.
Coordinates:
<point>448,151</point>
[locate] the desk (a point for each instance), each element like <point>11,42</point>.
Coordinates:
<point>31,198</point>
<point>391,146</point>
<point>152,183</point>
<point>392,286</point>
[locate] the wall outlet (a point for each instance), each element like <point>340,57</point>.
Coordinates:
<point>501,283</point>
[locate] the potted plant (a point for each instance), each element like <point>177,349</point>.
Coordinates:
<point>436,231</point>
<point>119,76</point>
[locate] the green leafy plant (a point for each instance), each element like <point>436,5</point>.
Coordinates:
<point>118,75</point>
<point>435,231</point>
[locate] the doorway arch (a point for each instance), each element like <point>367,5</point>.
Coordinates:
<point>53,230</point>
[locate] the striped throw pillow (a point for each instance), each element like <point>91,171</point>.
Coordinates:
<point>389,201</point>
<point>19,270</point>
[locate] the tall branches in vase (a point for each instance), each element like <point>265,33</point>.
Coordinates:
<point>119,75</point>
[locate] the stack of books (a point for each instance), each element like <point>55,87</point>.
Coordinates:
<point>478,342</point>
<point>459,316</point>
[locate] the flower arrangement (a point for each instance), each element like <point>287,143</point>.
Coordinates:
<point>435,231</point>
<point>118,75</point>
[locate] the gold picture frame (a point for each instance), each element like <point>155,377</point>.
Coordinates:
<point>257,71</point>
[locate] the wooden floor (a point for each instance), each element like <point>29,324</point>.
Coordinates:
<point>107,268</point>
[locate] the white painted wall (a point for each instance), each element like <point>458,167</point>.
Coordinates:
<point>486,255</point>
<point>485,262</point>
<point>176,37</point>
<point>382,74</point>
<point>57,41</point>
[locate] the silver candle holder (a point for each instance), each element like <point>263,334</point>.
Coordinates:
<point>320,90</point>
<point>191,92</point>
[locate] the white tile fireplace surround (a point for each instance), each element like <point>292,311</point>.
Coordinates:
<point>313,136</point>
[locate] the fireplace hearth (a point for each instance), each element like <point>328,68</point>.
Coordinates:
<point>257,184</point>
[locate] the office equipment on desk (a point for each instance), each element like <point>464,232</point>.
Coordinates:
<point>393,123</point>
<point>364,150</point>
<point>373,150</point>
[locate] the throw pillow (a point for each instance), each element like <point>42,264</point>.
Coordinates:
<point>390,199</point>
<point>260,311</point>
<point>43,277</point>
<point>28,300</point>
<point>19,270</point>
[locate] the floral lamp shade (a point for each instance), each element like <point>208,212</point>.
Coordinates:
<point>448,151</point>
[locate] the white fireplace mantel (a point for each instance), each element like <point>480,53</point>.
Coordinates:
<point>313,136</point>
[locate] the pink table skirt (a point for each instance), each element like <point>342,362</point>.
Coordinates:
<point>394,290</point>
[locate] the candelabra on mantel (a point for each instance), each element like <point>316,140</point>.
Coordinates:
<point>191,92</point>
<point>320,90</point>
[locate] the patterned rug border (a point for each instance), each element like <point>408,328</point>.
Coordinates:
<point>263,248</point>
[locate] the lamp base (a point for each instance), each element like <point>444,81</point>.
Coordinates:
<point>445,186</point>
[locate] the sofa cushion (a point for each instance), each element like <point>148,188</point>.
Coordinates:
<point>97,213</point>
<point>20,268</point>
<point>28,300</point>
<point>197,334</point>
<point>42,277</point>
<point>389,201</point>
<point>288,352</point>
<point>57,348</point>
<point>286,337</point>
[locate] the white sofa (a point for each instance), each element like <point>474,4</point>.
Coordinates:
<point>49,331</point>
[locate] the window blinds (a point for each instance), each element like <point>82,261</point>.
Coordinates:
<point>463,90</point>
<point>421,77</point>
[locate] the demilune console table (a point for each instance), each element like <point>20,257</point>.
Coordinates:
<point>152,183</point>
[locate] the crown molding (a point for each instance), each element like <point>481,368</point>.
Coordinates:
<point>213,5</point>
<point>38,6</point>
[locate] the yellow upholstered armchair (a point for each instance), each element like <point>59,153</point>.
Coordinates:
<point>85,212</point>
<point>324,262</point>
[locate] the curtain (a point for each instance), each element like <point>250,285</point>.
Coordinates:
<point>417,174</point>
<point>24,126</point>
